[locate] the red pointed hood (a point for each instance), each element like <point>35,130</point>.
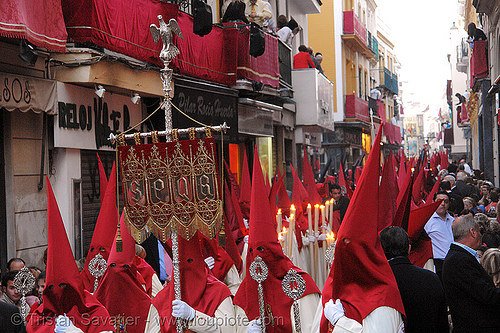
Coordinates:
<point>434,190</point>
<point>273,195</point>
<point>104,231</point>
<point>300,200</point>
<point>418,186</point>
<point>199,287</point>
<point>120,289</point>
<point>362,277</point>
<point>103,180</point>
<point>404,201</point>
<point>388,201</point>
<point>421,246</point>
<point>245,188</point>
<point>64,292</point>
<point>345,187</point>
<point>263,242</point>
<point>309,181</point>
<point>283,199</point>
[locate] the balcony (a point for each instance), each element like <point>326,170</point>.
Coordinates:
<point>373,45</point>
<point>313,93</point>
<point>356,108</point>
<point>395,88</point>
<point>285,65</point>
<point>386,79</point>
<point>309,6</point>
<point>355,35</point>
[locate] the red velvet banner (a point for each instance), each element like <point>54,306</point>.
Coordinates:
<point>265,68</point>
<point>211,57</point>
<point>40,22</point>
<point>171,185</point>
<point>392,133</point>
<point>118,25</point>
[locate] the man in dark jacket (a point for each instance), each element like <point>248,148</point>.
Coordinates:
<point>421,291</point>
<point>341,203</point>
<point>473,298</point>
<point>10,319</point>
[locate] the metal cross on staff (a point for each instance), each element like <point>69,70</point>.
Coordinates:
<point>97,268</point>
<point>24,282</point>
<point>259,272</point>
<point>330,254</point>
<point>294,287</point>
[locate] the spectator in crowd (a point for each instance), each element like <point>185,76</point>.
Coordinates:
<point>421,290</point>
<point>287,32</point>
<point>319,58</point>
<point>461,186</point>
<point>10,294</point>
<point>375,96</point>
<point>490,229</point>
<point>317,65</point>
<point>491,209</point>
<point>282,22</point>
<point>438,228</point>
<point>41,285</point>
<point>340,202</point>
<point>475,34</point>
<point>235,12</point>
<point>485,194</point>
<point>491,264</point>
<point>258,11</point>
<point>7,324</point>
<point>464,163</point>
<point>471,294</point>
<point>15,264</point>
<point>303,59</point>
<point>470,204</point>
<point>270,24</point>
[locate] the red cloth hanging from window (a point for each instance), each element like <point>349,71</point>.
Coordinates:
<point>40,22</point>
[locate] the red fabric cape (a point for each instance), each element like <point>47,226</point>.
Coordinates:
<point>147,272</point>
<point>223,264</point>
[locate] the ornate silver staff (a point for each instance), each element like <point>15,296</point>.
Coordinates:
<point>259,272</point>
<point>167,54</point>
<point>294,287</point>
<point>330,254</point>
<point>24,282</point>
<point>97,268</point>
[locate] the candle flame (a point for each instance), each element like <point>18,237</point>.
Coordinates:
<point>292,207</point>
<point>283,232</point>
<point>308,205</point>
<point>330,236</point>
<point>322,207</point>
<point>316,206</point>
<point>279,211</point>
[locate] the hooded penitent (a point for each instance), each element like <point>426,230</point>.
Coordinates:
<point>263,242</point>
<point>104,231</point>
<point>200,289</point>
<point>360,275</point>
<point>64,292</point>
<point>120,290</point>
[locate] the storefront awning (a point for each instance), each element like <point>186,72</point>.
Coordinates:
<point>40,22</point>
<point>28,93</point>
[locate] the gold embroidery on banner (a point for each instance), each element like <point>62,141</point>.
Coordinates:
<point>208,132</point>
<point>154,136</point>
<point>137,138</point>
<point>175,135</point>
<point>192,133</point>
<point>177,188</point>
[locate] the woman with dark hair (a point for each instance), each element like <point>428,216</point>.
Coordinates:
<point>235,12</point>
<point>287,33</point>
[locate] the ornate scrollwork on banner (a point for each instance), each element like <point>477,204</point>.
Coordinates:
<point>171,185</point>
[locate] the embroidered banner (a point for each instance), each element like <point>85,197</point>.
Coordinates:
<point>171,185</point>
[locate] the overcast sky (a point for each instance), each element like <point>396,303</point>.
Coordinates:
<point>420,31</point>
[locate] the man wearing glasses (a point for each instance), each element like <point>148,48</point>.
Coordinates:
<point>438,228</point>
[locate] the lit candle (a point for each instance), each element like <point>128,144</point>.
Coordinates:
<point>290,236</point>
<point>309,218</point>
<point>327,211</point>
<point>331,213</point>
<point>278,221</point>
<point>315,247</point>
<point>323,217</point>
<point>316,219</point>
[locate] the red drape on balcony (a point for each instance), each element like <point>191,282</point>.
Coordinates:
<point>265,68</point>
<point>118,25</point>
<point>479,60</point>
<point>40,22</point>
<point>212,57</point>
<point>392,133</point>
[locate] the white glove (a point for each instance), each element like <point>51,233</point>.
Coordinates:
<point>62,324</point>
<point>312,239</point>
<point>254,326</point>
<point>245,239</point>
<point>281,238</point>
<point>333,311</point>
<point>210,261</point>
<point>182,310</point>
<point>305,241</point>
<point>245,222</point>
<point>322,237</point>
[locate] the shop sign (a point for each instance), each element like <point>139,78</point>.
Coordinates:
<point>27,93</point>
<point>85,121</point>
<point>255,121</point>
<point>207,107</point>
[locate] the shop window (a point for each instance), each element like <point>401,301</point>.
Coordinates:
<point>265,150</point>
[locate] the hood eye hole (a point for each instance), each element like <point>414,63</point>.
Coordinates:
<point>51,287</point>
<point>112,265</point>
<point>190,260</point>
<point>260,248</point>
<point>126,266</point>
<point>250,250</point>
<point>92,249</point>
<point>346,240</point>
<point>102,249</point>
<point>62,285</point>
